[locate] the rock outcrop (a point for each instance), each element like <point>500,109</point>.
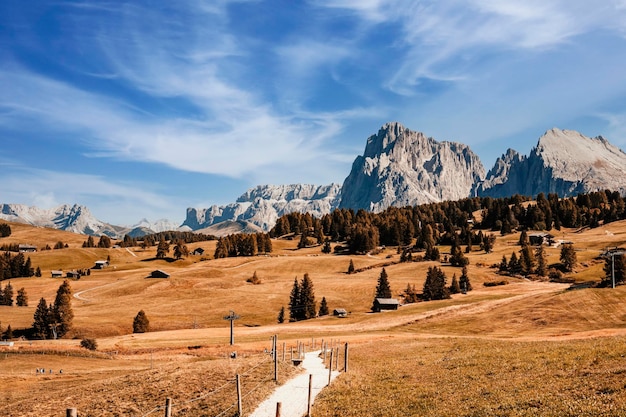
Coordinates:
<point>401,167</point>
<point>263,205</point>
<point>564,162</point>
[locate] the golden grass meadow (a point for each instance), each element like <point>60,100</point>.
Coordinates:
<point>528,348</point>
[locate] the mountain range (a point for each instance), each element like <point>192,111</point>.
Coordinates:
<point>399,167</point>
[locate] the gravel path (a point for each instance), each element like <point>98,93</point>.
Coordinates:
<point>294,394</point>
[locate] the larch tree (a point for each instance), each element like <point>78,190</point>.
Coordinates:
<point>568,257</point>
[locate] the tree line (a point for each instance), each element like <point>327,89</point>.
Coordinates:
<point>243,245</point>
<point>452,222</point>
<point>14,266</point>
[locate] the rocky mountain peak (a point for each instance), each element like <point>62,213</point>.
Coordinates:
<point>403,167</point>
<point>564,162</point>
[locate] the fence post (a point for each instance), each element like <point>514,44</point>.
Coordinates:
<point>345,359</point>
<point>284,348</point>
<point>71,412</point>
<point>275,359</point>
<point>168,407</point>
<point>239,408</point>
<point>308,408</point>
<point>330,367</point>
<point>278,407</point>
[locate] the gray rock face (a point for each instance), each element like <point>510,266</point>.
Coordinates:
<point>564,162</point>
<point>263,205</point>
<point>401,167</point>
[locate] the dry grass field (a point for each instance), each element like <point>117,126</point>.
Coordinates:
<point>530,347</point>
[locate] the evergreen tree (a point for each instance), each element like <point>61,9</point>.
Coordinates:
<point>40,320</point>
<point>523,239</point>
<point>435,285</point>
<point>7,295</point>
<point>38,272</point>
<point>504,264</point>
<point>22,298</point>
<point>295,309</point>
<point>323,308</point>
<point>464,281</point>
<point>5,230</point>
<point>383,289</point>
<point>457,258</point>
<point>542,261</point>
<point>62,310</point>
<point>514,264</point>
<point>351,267</point>
<point>488,242</point>
<point>141,324</point>
<point>281,315</point>
<point>454,285</point>
<point>326,248</point>
<point>568,257</point>
<point>527,259</point>
<point>307,297</point>
<point>8,335</point>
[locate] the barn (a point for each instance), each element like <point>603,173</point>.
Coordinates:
<point>381,304</point>
<point>157,273</point>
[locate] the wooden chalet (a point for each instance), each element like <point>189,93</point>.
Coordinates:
<point>56,273</point>
<point>340,312</point>
<point>157,273</point>
<point>381,304</point>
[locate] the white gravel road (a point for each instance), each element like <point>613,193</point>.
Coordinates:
<point>293,395</point>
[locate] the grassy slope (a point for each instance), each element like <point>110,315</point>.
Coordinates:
<point>515,320</point>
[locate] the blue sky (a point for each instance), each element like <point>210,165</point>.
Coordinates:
<point>141,109</point>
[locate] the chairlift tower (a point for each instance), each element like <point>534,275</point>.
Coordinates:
<point>231,317</point>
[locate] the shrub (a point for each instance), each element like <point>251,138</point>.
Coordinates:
<point>90,344</point>
<point>495,283</point>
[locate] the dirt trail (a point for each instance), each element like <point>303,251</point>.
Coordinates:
<point>293,395</point>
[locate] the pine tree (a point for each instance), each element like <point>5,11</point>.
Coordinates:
<point>40,320</point>
<point>383,290</point>
<point>457,258</point>
<point>7,295</point>
<point>180,250</point>
<point>464,281</point>
<point>326,248</point>
<point>514,264</point>
<point>527,260</point>
<point>62,309</point>
<point>8,335</point>
<point>523,239</point>
<point>542,261</point>
<point>351,267</point>
<point>435,285</point>
<point>22,298</point>
<point>307,297</point>
<point>504,264</point>
<point>454,285</point>
<point>295,309</point>
<point>281,315</point>
<point>568,257</point>
<point>141,324</point>
<point>323,308</point>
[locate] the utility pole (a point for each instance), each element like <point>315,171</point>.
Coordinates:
<point>231,317</point>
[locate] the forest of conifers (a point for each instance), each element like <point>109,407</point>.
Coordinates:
<point>453,221</point>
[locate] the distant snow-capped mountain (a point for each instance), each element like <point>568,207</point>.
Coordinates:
<point>263,205</point>
<point>78,219</point>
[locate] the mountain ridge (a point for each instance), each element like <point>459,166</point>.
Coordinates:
<point>398,167</point>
